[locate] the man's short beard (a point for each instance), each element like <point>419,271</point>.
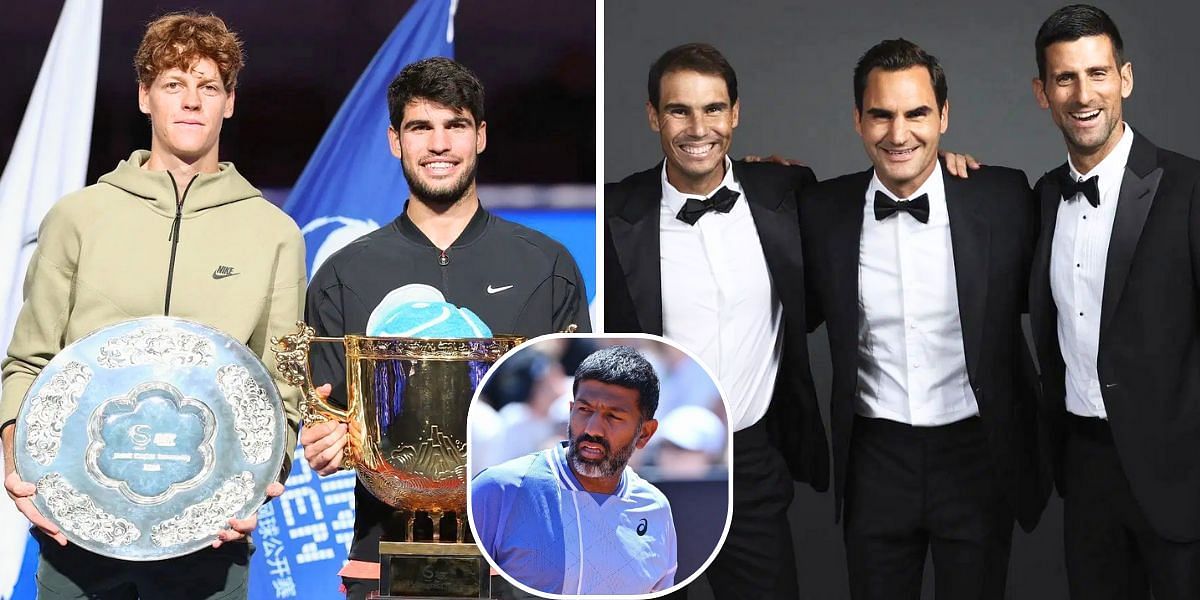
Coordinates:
<point>443,198</point>
<point>611,465</point>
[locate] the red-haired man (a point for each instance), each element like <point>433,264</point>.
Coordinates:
<point>170,231</point>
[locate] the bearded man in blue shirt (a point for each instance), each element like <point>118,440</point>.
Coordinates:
<point>575,519</point>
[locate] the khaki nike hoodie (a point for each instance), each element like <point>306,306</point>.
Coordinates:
<point>124,248</point>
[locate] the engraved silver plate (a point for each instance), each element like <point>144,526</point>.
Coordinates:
<point>145,437</point>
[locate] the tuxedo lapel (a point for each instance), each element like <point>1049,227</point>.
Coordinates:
<point>1138,187</point>
<point>761,197</point>
<point>844,240</point>
<point>1042,313</point>
<point>635,235</point>
<point>970,240</point>
<point>778,227</point>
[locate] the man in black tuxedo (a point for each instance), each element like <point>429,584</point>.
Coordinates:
<point>921,281</point>
<point>706,251</point>
<point>1115,307</point>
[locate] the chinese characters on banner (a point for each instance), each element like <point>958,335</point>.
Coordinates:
<point>303,536</point>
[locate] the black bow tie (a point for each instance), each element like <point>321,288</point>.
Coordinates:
<point>694,208</point>
<point>1090,188</point>
<point>917,207</point>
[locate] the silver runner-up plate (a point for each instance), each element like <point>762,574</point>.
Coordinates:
<point>145,437</point>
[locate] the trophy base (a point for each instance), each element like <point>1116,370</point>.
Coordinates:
<point>432,571</point>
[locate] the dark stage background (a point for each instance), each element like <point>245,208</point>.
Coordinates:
<point>536,59</point>
<point>794,63</point>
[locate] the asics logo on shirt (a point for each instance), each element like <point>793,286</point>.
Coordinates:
<point>641,528</point>
<point>496,290</point>
<point>223,271</point>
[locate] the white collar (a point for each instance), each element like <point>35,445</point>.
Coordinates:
<point>674,199</point>
<point>934,186</point>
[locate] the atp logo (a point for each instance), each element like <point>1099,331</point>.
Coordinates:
<point>321,234</point>
<point>641,528</point>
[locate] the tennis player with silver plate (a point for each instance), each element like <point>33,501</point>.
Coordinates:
<point>145,437</point>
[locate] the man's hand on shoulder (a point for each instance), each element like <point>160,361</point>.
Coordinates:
<point>324,443</point>
<point>959,164</point>
<point>774,158</point>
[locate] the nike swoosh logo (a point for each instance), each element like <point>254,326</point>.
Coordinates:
<point>494,290</point>
<point>220,275</point>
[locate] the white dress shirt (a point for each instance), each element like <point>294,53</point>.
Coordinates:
<point>718,299</point>
<point>1078,257</point>
<point>911,363</point>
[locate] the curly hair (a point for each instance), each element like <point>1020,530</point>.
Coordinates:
<point>439,80</point>
<point>178,40</point>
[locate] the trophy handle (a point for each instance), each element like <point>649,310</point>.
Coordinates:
<point>291,356</point>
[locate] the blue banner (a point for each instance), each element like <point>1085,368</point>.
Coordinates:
<point>303,536</point>
<point>351,185</point>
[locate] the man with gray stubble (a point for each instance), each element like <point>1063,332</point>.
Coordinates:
<point>1113,303</point>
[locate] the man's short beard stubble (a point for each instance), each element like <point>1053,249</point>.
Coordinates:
<point>443,198</point>
<point>613,462</point>
<point>1082,146</point>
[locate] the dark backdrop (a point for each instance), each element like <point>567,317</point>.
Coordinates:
<point>536,59</point>
<point>794,63</point>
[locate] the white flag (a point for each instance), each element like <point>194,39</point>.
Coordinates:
<point>48,160</point>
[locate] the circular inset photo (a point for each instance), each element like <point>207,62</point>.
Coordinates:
<point>599,466</point>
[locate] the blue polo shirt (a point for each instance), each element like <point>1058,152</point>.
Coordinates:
<point>543,529</point>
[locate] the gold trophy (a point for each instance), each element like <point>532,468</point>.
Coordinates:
<point>407,401</point>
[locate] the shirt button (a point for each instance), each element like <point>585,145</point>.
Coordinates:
<point>1084,217</point>
<point>1076,265</point>
<point>1081,314</point>
<point>916,366</point>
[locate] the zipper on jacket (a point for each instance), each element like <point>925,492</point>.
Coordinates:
<point>174,236</point>
<point>443,260</point>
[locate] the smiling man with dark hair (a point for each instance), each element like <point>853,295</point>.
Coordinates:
<point>575,519</point>
<point>920,279</point>
<point>705,250</point>
<point>1113,303</point>
<point>517,280</point>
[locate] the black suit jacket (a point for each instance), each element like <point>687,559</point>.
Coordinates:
<point>1149,355</point>
<point>633,292</point>
<point>992,230</point>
